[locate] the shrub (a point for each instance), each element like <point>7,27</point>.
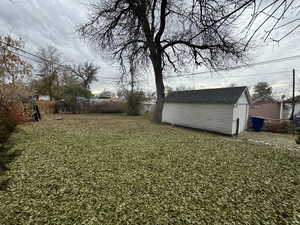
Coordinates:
<point>7,123</point>
<point>297,131</point>
<point>285,127</point>
<point>278,126</point>
<point>297,139</point>
<point>12,111</point>
<point>11,108</point>
<point>134,102</point>
<point>7,126</point>
<point>108,107</point>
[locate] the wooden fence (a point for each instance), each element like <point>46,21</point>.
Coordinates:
<point>47,107</point>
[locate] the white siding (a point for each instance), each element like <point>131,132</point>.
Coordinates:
<point>243,99</point>
<point>147,107</point>
<point>297,109</point>
<point>240,111</point>
<point>288,110</point>
<point>44,97</point>
<point>211,117</point>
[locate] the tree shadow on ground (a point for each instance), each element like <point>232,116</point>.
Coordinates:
<point>6,157</point>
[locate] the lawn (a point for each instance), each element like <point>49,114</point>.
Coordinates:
<point>114,169</point>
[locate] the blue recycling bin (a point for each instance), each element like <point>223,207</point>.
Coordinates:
<point>257,123</point>
<point>297,121</point>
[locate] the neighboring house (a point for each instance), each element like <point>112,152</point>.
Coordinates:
<point>267,108</point>
<point>287,111</point>
<point>148,107</point>
<point>43,97</point>
<point>222,110</point>
<point>82,99</point>
<point>103,100</point>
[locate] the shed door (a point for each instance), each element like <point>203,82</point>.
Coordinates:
<point>243,116</point>
<point>237,126</point>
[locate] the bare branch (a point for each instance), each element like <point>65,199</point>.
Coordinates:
<point>172,33</point>
<point>189,44</point>
<point>162,21</point>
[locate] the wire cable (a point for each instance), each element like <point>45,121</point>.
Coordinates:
<point>170,76</point>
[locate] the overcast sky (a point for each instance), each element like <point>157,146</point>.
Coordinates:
<point>53,22</point>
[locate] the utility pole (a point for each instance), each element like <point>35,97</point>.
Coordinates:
<point>293,98</point>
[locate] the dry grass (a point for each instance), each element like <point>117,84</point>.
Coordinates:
<point>113,169</point>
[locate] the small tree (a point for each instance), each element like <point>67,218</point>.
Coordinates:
<point>72,92</point>
<point>49,71</point>
<point>262,90</point>
<point>86,73</point>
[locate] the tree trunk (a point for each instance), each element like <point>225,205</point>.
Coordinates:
<point>160,89</point>
<point>50,95</point>
<point>13,79</point>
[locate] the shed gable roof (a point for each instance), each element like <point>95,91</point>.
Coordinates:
<point>215,96</point>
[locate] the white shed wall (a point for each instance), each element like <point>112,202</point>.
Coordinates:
<point>211,117</point>
<point>241,112</point>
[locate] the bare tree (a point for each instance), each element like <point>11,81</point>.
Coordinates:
<point>173,33</point>
<point>49,69</point>
<point>87,73</point>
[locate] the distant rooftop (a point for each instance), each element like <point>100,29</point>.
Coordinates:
<point>265,99</point>
<point>289,100</point>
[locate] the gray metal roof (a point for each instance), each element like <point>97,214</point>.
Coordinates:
<point>216,96</point>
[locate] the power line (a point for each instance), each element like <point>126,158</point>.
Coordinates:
<point>32,54</point>
<point>240,66</point>
<point>228,77</point>
<point>25,56</point>
<point>245,75</point>
<point>42,58</point>
<point>28,57</point>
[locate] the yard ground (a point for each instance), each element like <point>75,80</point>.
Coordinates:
<point>286,141</point>
<point>113,169</point>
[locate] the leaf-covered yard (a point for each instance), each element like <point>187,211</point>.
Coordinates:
<point>113,169</point>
